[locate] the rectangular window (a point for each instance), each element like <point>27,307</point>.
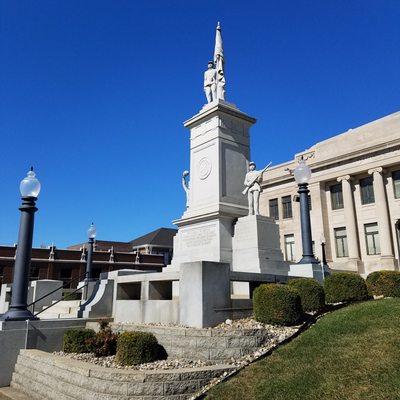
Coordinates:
<point>273,209</point>
<point>66,276</point>
<point>396,184</point>
<point>309,202</point>
<point>287,206</point>
<point>160,290</point>
<point>290,250</point>
<point>34,273</point>
<point>341,242</point>
<point>129,291</point>
<point>367,190</point>
<point>372,239</point>
<point>336,196</point>
<point>96,271</point>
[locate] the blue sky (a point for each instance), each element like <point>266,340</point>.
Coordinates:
<point>94,93</point>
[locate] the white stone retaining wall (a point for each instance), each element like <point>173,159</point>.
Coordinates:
<point>47,376</point>
<point>202,344</point>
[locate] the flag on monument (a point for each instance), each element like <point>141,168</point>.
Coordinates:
<point>218,44</point>
<point>219,56</point>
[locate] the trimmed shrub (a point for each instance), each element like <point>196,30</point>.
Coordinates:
<point>384,283</point>
<point>136,348</point>
<point>345,287</point>
<point>104,343</point>
<point>78,341</point>
<point>277,304</point>
<point>311,293</point>
<point>371,280</point>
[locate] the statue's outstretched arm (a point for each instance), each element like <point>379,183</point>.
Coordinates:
<point>185,184</point>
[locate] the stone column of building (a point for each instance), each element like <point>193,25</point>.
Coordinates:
<point>383,216</point>
<point>351,223</point>
<point>317,222</point>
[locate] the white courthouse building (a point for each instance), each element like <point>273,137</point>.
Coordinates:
<point>354,198</point>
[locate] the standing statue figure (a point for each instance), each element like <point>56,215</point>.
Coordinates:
<point>214,77</point>
<point>253,188</point>
<point>186,186</point>
<point>210,83</point>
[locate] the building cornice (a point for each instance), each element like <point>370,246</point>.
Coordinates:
<point>318,166</point>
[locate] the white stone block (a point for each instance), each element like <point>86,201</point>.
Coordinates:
<point>204,241</point>
<point>256,246</point>
<point>314,270</point>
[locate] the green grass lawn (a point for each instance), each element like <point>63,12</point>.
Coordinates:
<point>352,353</point>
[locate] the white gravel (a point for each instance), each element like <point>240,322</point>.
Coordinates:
<point>277,335</point>
<point>251,323</point>
<point>109,362</point>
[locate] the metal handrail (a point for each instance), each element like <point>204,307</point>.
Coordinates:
<point>64,286</point>
<point>69,294</point>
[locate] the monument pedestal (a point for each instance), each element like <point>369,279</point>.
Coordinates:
<point>209,240</point>
<point>256,248</point>
<point>219,153</point>
<point>314,270</point>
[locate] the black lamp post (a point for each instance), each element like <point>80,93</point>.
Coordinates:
<point>302,175</point>
<point>91,235</point>
<point>18,310</point>
<point>322,240</point>
<point>325,266</point>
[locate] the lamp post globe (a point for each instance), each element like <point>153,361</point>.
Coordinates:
<point>18,310</point>
<point>30,185</point>
<point>302,175</point>
<point>92,232</point>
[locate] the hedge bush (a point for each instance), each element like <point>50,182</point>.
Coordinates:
<point>311,293</point>
<point>78,341</point>
<point>104,343</point>
<point>136,348</point>
<point>277,304</point>
<point>384,283</point>
<point>345,287</point>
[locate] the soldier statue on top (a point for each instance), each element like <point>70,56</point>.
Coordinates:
<point>210,83</point>
<point>214,77</point>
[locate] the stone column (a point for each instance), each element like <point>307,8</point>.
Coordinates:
<point>350,216</point>
<point>382,213</point>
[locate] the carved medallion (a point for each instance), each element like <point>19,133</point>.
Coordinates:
<point>204,167</point>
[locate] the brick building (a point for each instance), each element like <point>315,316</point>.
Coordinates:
<point>70,264</point>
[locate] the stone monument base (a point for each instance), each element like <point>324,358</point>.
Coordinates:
<point>312,270</point>
<point>209,240</point>
<point>256,248</point>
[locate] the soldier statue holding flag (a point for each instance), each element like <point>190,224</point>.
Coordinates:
<point>210,83</point>
<point>214,77</point>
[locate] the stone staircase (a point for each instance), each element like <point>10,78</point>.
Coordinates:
<point>63,309</point>
<point>45,376</point>
<point>9,393</point>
